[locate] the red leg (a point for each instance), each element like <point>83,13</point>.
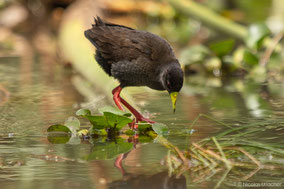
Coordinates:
<point>118,100</point>
<point>116,91</point>
<point>139,117</point>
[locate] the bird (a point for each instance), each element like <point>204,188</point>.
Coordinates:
<point>135,58</point>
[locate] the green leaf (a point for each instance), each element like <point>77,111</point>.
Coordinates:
<point>98,122</point>
<point>109,150</point>
<point>116,121</point>
<point>101,132</point>
<point>144,127</point>
<point>73,124</point>
<point>144,139</point>
<point>112,119</point>
<point>250,59</point>
<point>222,48</point>
<point>83,112</point>
<point>256,35</point>
<point>114,111</point>
<point>160,128</point>
<point>59,128</point>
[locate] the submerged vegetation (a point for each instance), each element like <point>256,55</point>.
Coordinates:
<point>231,156</point>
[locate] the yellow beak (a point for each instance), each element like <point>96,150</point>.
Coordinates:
<point>174,99</point>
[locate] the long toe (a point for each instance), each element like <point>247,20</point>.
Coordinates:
<point>145,119</point>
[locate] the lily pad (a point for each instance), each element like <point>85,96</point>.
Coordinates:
<point>73,124</point>
<point>98,122</point>
<point>160,128</point>
<point>112,119</point>
<point>115,121</point>
<point>144,127</point>
<point>145,139</point>
<point>101,132</point>
<point>113,110</point>
<point>59,128</point>
<point>83,112</point>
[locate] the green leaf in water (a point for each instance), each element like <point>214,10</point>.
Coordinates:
<point>59,129</point>
<point>115,121</point>
<point>83,112</point>
<point>160,128</point>
<point>101,132</point>
<point>144,127</point>
<point>73,124</point>
<point>114,111</point>
<point>98,122</point>
<point>145,139</point>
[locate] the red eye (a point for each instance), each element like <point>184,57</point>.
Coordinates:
<point>168,84</point>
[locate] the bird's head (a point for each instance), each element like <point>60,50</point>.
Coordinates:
<point>173,81</point>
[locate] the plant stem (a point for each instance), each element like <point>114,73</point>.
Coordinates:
<point>207,16</point>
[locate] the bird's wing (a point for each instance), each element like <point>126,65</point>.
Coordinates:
<point>118,43</point>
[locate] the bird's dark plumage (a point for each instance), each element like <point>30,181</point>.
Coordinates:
<point>135,58</point>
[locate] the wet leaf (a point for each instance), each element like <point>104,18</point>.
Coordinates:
<point>109,150</point>
<point>112,119</point>
<point>256,34</point>
<point>144,139</point>
<point>143,127</point>
<point>101,132</point>
<point>116,121</point>
<point>160,128</point>
<point>83,112</point>
<point>59,128</point>
<point>113,110</point>
<point>98,122</point>
<point>222,48</point>
<point>73,124</point>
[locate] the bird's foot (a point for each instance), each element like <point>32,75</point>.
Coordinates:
<point>141,118</point>
<point>133,125</point>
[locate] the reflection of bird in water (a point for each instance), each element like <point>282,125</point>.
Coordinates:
<point>135,58</point>
<point>157,181</point>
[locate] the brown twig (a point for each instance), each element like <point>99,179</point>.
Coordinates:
<point>267,54</point>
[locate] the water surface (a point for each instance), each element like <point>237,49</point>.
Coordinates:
<point>34,96</point>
